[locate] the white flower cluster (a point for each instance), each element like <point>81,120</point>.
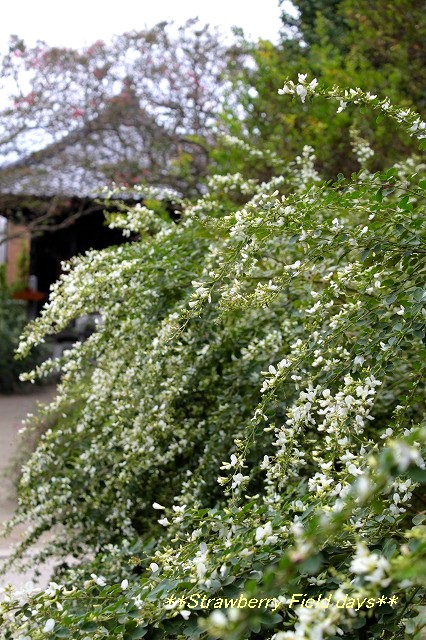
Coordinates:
<point>232,182</point>
<point>138,219</point>
<point>406,455</point>
<point>414,124</point>
<point>406,117</point>
<point>361,148</point>
<point>302,89</point>
<point>402,494</point>
<point>304,172</point>
<point>201,293</point>
<point>275,374</point>
<point>313,624</point>
<point>372,567</point>
<point>253,152</point>
<point>340,417</point>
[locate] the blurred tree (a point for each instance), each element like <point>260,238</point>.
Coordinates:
<point>141,108</point>
<point>385,39</point>
<point>390,38</point>
<point>376,46</point>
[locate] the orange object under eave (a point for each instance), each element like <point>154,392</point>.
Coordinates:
<point>28,294</point>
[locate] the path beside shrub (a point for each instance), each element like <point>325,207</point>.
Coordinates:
<point>13,410</point>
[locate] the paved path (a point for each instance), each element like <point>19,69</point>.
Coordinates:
<point>13,410</point>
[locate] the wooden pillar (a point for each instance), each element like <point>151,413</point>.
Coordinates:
<point>17,246</point>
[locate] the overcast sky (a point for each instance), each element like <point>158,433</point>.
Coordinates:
<point>74,23</point>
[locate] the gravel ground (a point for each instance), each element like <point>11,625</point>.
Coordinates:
<point>13,410</point>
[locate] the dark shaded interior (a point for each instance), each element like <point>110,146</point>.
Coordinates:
<point>52,248</point>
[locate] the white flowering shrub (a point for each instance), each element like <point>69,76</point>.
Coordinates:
<point>248,421</point>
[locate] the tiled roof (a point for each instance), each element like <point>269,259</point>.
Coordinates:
<point>103,150</point>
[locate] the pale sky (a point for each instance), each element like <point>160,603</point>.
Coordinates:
<point>75,23</point>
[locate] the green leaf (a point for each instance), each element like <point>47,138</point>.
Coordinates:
<point>405,204</point>
<point>312,565</point>
<point>391,173</point>
<point>358,622</point>
<point>135,634</point>
<point>418,475</point>
<point>419,519</point>
<point>418,294</point>
<point>62,632</point>
<point>89,626</point>
<point>390,299</point>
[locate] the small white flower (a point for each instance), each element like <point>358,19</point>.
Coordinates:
<point>362,487</point>
<point>353,470</point>
<point>264,534</point>
<point>49,626</point>
<point>100,580</point>
<point>232,463</point>
<point>370,565</point>
<point>180,509</point>
<point>202,292</point>
<point>260,534</point>
<point>201,569</point>
<point>155,505</point>
<point>238,478</point>
<point>286,89</point>
<point>234,614</point>
<point>405,455</point>
<point>138,602</point>
<point>124,584</point>
<point>265,464</point>
<point>52,588</point>
<point>342,106</point>
<point>154,567</point>
<point>301,92</point>
<point>219,619</point>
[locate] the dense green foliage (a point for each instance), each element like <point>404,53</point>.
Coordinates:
<point>248,420</point>
<point>373,45</point>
